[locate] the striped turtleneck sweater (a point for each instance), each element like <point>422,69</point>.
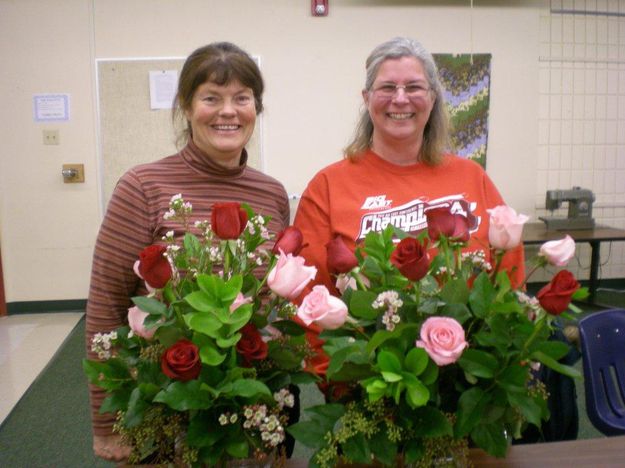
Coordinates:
<point>134,220</point>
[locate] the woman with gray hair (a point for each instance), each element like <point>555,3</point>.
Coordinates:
<point>397,166</point>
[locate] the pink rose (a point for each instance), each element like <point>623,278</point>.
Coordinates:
<point>239,301</point>
<point>136,317</point>
<point>290,276</point>
<point>345,280</point>
<point>506,227</point>
<point>558,252</point>
<point>443,340</point>
<point>325,310</point>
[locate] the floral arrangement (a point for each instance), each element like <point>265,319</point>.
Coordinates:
<point>203,371</point>
<point>431,354</point>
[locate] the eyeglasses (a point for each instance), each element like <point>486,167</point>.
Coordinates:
<point>389,90</point>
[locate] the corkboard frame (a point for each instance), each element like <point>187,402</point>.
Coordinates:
<point>129,131</point>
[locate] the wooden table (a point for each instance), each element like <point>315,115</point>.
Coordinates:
<point>595,453</point>
<point>592,453</point>
<point>537,233</point>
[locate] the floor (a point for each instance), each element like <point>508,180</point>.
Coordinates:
<point>27,343</point>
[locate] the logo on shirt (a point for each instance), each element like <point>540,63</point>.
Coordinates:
<point>372,203</point>
<point>410,217</point>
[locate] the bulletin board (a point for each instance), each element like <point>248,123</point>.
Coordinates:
<point>130,131</point>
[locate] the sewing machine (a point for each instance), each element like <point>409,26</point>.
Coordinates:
<point>580,209</point>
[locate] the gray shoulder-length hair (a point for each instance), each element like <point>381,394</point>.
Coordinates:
<point>436,132</point>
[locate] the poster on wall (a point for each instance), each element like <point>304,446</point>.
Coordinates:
<point>466,80</point>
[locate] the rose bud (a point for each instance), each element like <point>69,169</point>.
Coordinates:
<point>321,307</point>
<point>443,339</point>
<point>555,297</point>
<point>239,301</point>
<point>340,258</point>
<point>441,221</point>
<point>290,276</point>
<point>228,220</point>
<point>411,258</point>
<point>289,241</point>
<point>558,252</point>
<point>153,267</point>
<point>136,317</point>
<point>251,345</point>
<point>505,227</point>
<point>181,361</point>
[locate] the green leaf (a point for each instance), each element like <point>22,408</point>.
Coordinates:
<point>384,450</point>
<point>556,366</point>
<point>491,438</point>
<point>211,356</point>
<point>360,305</point>
<point>183,396</point>
<point>430,422</point>
<point>554,349</point>
<point>429,376</point>
<point>381,336</point>
<point>228,342</point>
<point>482,295</point>
<point>417,394</point>
<point>248,388</point>
<point>289,327</point>
<point>455,291</point>
<point>459,312</point>
<point>109,375</point>
<point>528,407</point>
<point>115,402</point>
<point>391,376</point>
<point>198,436</point>
<point>479,363</point>
<point>238,447</point>
<point>136,409</point>
<point>513,378</point>
<point>471,405</point>
<point>416,361</point>
<point>389,362</point>
<point>201,301</point>
<point>150,305</point>
<point>356,449</point>
<point>205,323</point>
<point>191,244</point>
<point>322,420</point>
<point>580,294</point>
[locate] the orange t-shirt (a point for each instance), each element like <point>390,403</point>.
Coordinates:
<point>351,198</point>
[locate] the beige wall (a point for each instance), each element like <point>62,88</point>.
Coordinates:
<point>314,68</point>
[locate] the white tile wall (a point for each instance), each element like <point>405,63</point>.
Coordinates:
<point>582,116</point>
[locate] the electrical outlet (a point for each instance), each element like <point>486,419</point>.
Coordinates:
<point>51,137</point>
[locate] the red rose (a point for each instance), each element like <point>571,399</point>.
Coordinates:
<point>555,297</point>
<point>441,221</point>
<point>411,258</point>
<point>228,220</point>
<point>340,258</point>
<point>154,267</point>
<point>251,345</point>
<point>290,241</point>
<point>181,361</point>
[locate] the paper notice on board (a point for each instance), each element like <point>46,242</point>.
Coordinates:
<point>163,86</point>
<point>51,107</point>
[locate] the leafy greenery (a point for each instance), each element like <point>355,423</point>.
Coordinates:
<point>396,401</point>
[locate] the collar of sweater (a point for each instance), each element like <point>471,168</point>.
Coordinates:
<point>201,162</point>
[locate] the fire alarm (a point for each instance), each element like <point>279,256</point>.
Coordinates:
<point>319,7</point>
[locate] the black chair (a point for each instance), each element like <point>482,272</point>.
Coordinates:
<point>603,353</point>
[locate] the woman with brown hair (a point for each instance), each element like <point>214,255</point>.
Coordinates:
<point>219,96</point>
